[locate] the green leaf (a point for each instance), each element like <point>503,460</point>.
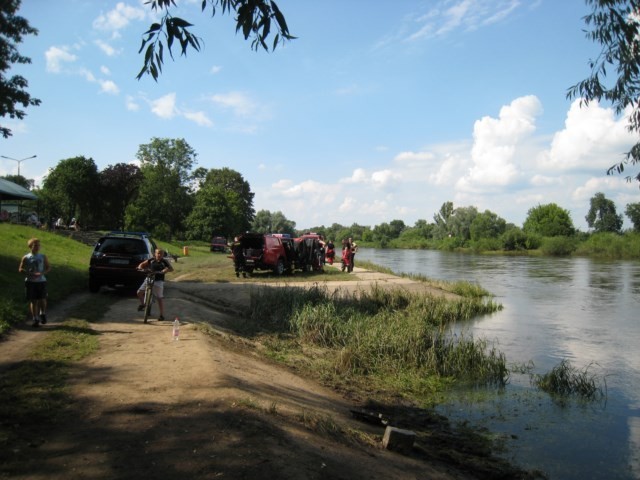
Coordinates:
<point>180,23</point>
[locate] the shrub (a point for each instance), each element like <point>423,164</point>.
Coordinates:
<point>514,239</point>
<point>558,246</point>
<point>486,245</point>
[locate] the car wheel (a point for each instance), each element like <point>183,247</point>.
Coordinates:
<point>280,267</point>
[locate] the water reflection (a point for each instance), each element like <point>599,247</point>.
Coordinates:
<point>578,309</point>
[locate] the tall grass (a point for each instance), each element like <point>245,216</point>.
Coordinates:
<point>382,332</point>
<point>611,245</point>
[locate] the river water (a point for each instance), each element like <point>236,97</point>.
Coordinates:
<point>579,309</point>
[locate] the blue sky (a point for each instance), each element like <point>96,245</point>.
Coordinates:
<point>380,110</point>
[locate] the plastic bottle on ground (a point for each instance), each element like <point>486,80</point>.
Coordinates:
<point>176,329</point>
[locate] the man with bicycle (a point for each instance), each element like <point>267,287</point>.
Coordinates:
<point>160,266</point>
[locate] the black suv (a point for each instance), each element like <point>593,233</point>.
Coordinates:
<point>115,258</point>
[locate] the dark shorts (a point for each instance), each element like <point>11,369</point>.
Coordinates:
<point>36,290</point>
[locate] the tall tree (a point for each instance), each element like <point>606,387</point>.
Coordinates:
<point>13,93</point>
<point>69,190</point>
<point>460,222</point>
<point>633,212</point>
<point>119,185</point>
<point>20,180</point>
<point>614,24</point>
<point>276,222</point>
<point>441,220</point>
<point>164,198</point>
<point>487,225</point>
<point>254,18</point>
<point>223,206</point>
<point>602,216</point>
<point>549,220</point>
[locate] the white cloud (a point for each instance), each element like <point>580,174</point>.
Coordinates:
<point>304,188</point>
<point>106,48</point>
<point>414,158</point>
<point>543,181</point>
<point>600,184</point>
<point>282,184</point>
<point>105,70</point>
<point>378,179</point>
<point>200,118</point>
<point>449,171</point>
<point>359,175</point>
<point>238,102</point>
<point>347,205</point>
<point>131,104</point>
<point>165,107</point>
<point>118,18</point>
<point>593,139</point>
<point>495,145</point>
<point>449,16</point>
<point>385,178</point>
<point>215,69</point>
<point>109,86</point>
<point>56,57</point>
<point>87,74</point>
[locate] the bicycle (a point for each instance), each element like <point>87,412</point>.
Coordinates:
<point>148,293</point>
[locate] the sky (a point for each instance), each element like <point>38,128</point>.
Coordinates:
<point>379,110</point>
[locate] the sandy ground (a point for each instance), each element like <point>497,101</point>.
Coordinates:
<point>206,406</point>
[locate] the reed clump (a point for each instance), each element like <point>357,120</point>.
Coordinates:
<point>386,334</point>
<point>566,380</point>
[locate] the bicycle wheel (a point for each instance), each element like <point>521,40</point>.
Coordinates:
<point>147,303</point>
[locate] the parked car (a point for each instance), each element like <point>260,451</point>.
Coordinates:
<point>266,252</point>
<point>218,244</point>
<point>115,258</point>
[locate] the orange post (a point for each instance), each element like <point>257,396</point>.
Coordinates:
<point>185,251</point>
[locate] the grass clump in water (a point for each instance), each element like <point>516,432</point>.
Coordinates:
<point>566,380</point>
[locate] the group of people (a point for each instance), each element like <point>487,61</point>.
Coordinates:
<point>349,250</point>
<point>73,224</point>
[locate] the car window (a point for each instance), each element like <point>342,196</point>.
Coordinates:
<point>127,246</point>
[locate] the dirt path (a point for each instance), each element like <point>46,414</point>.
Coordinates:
<point>203,407</point>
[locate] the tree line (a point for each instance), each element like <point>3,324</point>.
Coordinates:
<point>548,227</point>
<point>167,196</point>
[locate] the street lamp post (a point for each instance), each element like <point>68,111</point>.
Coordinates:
<point>19,161</point>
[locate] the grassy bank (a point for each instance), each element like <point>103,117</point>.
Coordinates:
<point>394,341</point>
<point>69,269</point>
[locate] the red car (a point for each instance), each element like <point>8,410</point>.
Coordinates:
<point>266,252</point>
<point>218,244</point>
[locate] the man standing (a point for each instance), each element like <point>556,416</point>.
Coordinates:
<point>36,265</point>
<point>238,257</point>
<point>354,250</point>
